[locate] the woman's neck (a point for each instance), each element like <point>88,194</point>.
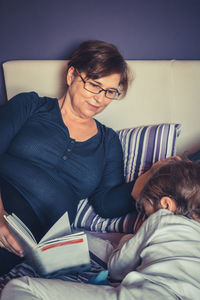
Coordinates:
<point>69,114</point>
<point>80,129</point>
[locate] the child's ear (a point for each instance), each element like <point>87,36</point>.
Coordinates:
<point>168,203</point>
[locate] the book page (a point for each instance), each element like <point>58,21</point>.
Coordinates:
<point>60,228</point>
<point>23,227</point>
<point>20,231</point>
<point>65,238</point>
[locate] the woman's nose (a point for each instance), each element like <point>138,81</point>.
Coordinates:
<point>100,97</point>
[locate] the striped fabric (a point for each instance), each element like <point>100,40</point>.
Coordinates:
<point>142,146</point>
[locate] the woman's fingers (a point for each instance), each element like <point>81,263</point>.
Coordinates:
<point>12,245</point>
<point>9,247</point>
<point>175,157</point>
<point>159,163</point>
<point>15,248</point>
<point>7,240</point>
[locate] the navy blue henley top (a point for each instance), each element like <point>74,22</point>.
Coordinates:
<point>54,172</point>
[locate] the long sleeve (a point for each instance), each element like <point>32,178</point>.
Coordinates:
<point>115,202</point>
<point>113,197</point>
<point>166,246</point>
<point>126,257</point>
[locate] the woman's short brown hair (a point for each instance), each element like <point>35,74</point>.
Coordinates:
<point>98,59</point>
<point>179,180</point>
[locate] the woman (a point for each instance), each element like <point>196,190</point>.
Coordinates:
<point>53,153</point>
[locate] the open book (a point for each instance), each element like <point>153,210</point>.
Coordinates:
<point>59,249</point>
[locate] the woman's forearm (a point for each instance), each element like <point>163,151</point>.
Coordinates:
<point>114,202</point>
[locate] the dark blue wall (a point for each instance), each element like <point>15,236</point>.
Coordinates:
<point>142,29</point>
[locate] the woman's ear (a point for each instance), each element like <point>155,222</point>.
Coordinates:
<point>70,76</point>
<point>168,203</point>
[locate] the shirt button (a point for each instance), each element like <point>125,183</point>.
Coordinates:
<point>68,150</point>
<point>64,157</point>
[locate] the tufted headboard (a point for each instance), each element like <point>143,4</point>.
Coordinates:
<point>166,91</point>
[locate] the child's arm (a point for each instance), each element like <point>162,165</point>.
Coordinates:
<point>126,257</point>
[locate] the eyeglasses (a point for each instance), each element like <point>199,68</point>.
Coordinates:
<point>89,86</point>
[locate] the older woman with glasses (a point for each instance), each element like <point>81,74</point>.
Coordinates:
<point>53,153</point>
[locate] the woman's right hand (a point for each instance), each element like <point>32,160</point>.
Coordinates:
<point>7,240</point>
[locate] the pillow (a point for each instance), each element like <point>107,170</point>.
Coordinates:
<point>142,146</point>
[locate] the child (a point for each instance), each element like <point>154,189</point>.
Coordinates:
<point>161,261</point>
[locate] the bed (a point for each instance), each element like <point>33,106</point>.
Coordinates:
<point>159,117</point>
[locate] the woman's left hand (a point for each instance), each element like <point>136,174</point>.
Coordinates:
<point>142,180</point>
<point>7,240</point>
<point>160,163</point>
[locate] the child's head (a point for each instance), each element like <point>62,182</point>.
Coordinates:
<point>174,186</point>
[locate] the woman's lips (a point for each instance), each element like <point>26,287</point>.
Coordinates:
<point>94,107</point>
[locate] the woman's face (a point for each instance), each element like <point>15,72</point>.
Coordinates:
<point>84,103</point>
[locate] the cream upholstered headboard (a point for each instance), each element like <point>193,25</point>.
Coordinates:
<point>162,92</point>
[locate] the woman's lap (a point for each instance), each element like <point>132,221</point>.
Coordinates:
<point>52,289</point>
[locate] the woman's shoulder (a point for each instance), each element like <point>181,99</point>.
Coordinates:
<point>30,102</point>
<point>30,97</point>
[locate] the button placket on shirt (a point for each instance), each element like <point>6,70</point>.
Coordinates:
<point>68,150</point>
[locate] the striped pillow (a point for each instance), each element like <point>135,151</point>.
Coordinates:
<point>142,146</point>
